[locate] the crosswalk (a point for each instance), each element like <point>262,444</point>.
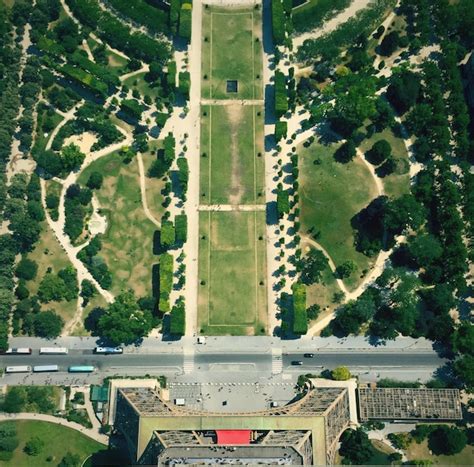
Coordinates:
<point>188,361</point>
<point>277,362</point>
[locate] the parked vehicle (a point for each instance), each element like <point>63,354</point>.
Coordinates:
<point>53,351</point>
<point>108,350</point>
<point>18,369</point>
<point>297,362</point>
<point>18,351</point>
<point>309,355</point>
<point>81,369</point>
<point>45,368</point>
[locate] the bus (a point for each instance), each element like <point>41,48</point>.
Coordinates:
<point>108,350</point>
<point>53,351</point>
<point>18,369</point>
<point>81,369</point>
<point>45,368</point>
<point>19,351</point>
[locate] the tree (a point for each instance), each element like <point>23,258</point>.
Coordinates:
<point>389,43</point>
<point>404,212</point>
<point>464,368</point>
<point>312,266</point>
<point>87,291</point>
<point>34,446</point>
<point>14,400</point>
<point>283,202</point>
<point>345,269</point>
<point>341,373</point>
<point>463,339</point>
<point>351,316</point>
<point>123,321</point>
<point>356,446</point>
<point>70,460</point>
<point>72,157</point>
<point>424,249</point>
<point>404,90</point>
<point>346,152</point>
<point>313,311</point>
<point>178,319</point>
<point>447,440</point>
<point>95,180</point>
<point>52,288</point>
<point>26,269</point>
<point>380,151</point>
<point>48,324</point>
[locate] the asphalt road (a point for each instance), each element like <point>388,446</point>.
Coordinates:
<point>209,361</point>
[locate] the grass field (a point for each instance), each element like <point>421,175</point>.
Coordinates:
<point>232,171</point>
<point>127,244</point>
<point>231,50</point>
<point>58,440</point>
<point>397,183</point>
<point>154,186</point>
<point>232,290</point>
<point>421,451</point>
<point>330,195</point>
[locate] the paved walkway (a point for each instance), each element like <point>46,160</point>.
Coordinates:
<point>90,433</point>
<point>232,207</point>
<point>232,101</point>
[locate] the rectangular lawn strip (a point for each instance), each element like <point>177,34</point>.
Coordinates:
<point>139,82</point>
<point>232,172</point>
<point>397,183</point>
<point>230,51</point>
<point>231,266</point>
<point>331,194</point>
<point>127,245</point>
<point>58,440</point>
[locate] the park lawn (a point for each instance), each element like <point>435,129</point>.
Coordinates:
<point>231,50</point>
<point>398,183</point>
<point>380,456</point>
<point>127,244</point>
<point>153,186</point>
<point>96,301</point>
<point>232,292</point>
<point>48,253</point>
<point>233,169</point>
<point>58,440</point>
<point>138,82</point>
<point>421,451</point>
<point>331,193</point>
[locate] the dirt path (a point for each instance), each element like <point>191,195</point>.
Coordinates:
<point>141,170</point>
<point>144,69</point>
<point>236,190</point>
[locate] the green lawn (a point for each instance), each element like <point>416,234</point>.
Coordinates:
<point>330,195</point>
<point>231,50</point>
<point>58,440</point>
<point>232,172</point>
<point>421,451</point>
<point>154,186</point>
<point>41,140</point>
<point>398,183</point>
<point>231,268</point>
<point>127,244</point>
<point>138,82</point>
<point>48,253</point>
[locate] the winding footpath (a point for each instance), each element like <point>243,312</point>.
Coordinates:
<point>147,211</point>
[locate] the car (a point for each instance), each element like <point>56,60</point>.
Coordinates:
<point>309,355</point>
<point>297,362</point>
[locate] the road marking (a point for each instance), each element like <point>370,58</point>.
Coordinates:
<point>277,362</point>
<point>188,360</point>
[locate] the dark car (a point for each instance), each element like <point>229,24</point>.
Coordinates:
<point>309,355</point>
<point>297,362</point>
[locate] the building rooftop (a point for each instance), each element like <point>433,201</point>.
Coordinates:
<point>409,404</point>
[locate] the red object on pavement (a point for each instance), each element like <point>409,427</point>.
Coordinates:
<point>233,436</point>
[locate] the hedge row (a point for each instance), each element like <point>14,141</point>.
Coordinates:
<point>166,282</point>
<point>185,20</point>
<point>183,176</point>
<point>175,7</point>
<point>278,22</point>
<point>85,79</point>
<point>185,83</point>
<point>112,31</point>
<point>181,226</point>
<point>281,95</point>
<point>314,14</point>
<point>178,319</point>
<point>300,317</point>
<point>105,74</point>
<point>168,234</point>
<point>143,13</point>
<point>171,74</point>
<point>281,130</point>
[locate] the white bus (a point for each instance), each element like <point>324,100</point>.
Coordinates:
<point>18,369</point>
<point>45,368</point>
<point>108,350</point>
<point>19,351</point>
<point>53,351</point>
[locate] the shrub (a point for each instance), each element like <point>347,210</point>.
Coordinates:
<point>300,317</point>
<point>181,227</point>
<point>185,20</point>
<point>380,151</point>
<point>175,6</point>
<point>34,446</point>
<point>281,96</point>
<point>278,21</point>
<point>166,281</point>
<point>346,152</point>
<point>178,319</point>
<point>341,373</point>
<point>184,83</point>
<point>281,130</point>
<point>171,75</point>
<point>26,269</point>
<point>168,234</point>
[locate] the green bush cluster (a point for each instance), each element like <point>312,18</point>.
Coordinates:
<point>175,7</point>
<point>39,399</point>
<point>184,83</point>
<point>171,75</point>
<point>300,317</point>
<point>165,158</point>
<point>133,108</point>
<point>278,22</point>
<point>283,202</point>
<point>168,234</point>
<point>166,282</point>
<point>281,95</point>
<point>316,12</point>
<point>103,73</point>
<point>85,79</point>
<point>95,263</point>
<point>183,176</point>
<point>281,130</point>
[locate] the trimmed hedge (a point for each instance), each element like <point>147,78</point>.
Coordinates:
<point>85,79</point>
<point>168,234</point>
<point>185,20</point>
<point>166,282</point>
<point>132,107</point>
<point>183,175</point>
<point>175,6</point>
<point>171,75</point>
<point>181,226</point>
<point>105,74</point>
<point>178,319</point>
<point>300,317</point>
<point>283,202</point>
<point>278,21</point>
<point>281,95</point>
<point>185,83</point>
<point>281,130</point>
